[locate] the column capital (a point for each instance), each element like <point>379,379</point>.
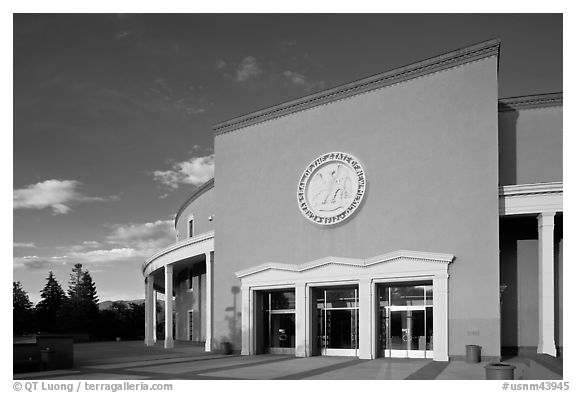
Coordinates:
<point>169,269</point>
<point>546,218</point>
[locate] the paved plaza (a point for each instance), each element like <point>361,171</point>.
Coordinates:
<point>134,361</point>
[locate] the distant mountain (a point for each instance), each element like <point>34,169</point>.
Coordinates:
<point>106,304</point>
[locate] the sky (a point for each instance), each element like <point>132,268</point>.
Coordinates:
<point>112,113</point>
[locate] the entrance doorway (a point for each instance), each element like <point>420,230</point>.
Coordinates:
<point>405,320</point>
<point>337,321</point>
<point>279,324</point>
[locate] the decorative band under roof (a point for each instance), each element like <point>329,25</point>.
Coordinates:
<point>528,102</point>
<point>201,190</point>
<point>435,64</point>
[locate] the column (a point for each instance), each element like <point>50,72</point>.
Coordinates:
<point>154,316</point>
<point>302,319</point>
<point>168,339</point>
<point>546,342</point>
<point>365,323</point>
<point>148,311</point>
<point>246,325</point>
<point>208,343</point>
<point>440,317</point>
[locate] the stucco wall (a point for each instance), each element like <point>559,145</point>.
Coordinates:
<point>429,147</point>
<point>530,145</point>
<point>190,299</point>
<point>201,208</point>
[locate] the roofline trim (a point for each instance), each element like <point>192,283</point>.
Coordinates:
<point>201,190</point>
<point>438,63</point>
<point>530,102</point>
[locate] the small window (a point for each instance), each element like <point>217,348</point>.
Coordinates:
<point>191,227</point>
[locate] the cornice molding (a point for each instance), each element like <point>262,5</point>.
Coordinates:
<point>201,190</point>
<point>531,189</point>
<point>177,246</point>
<point>531,198</point>
<point>356,262</point>
<point>530,102</point>
<point>442,62</point>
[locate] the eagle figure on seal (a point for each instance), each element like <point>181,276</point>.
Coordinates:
<point>334,189</point>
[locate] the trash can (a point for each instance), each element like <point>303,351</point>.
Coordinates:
<point>225,348</point>
<point>473,354</point>
<point>499,371</point>
<point>47,357</point>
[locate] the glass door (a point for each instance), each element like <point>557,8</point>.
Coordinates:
<point>279,322</point>
<point>338,321</point>
<point>405,328</point>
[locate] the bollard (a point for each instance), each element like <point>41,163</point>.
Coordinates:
<point>473,354</point>
<point>499,371</point>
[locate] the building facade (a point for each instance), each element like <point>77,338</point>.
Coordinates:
<point>408,214</point>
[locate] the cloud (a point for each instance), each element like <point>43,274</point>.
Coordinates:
<point>146,237</point>
<point>23,245</point>
<point>220,64</point>
<point>196,171</point>
<point>132,242</point>
<point>302,80</point>
<point>31,262</point>
<point>54,194</point>
<point>104,256</point>
<point>247,69</point>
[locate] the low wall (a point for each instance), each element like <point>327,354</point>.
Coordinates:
<point>49,352</point>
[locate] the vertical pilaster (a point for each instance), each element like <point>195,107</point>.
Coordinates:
<point>365,323</point>
<point>302,320</point>
<point>148,310</point>
<point>247,325</point>
<point>169,306</point>
<point>209,302</point>
<point>440,317</point>
<point>546,342</point>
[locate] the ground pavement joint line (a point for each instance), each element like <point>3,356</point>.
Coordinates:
<point>206,364</point>
<point>152,362</point>
<point>320,370</point>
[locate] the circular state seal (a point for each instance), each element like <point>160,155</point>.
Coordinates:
<point>331,188</point>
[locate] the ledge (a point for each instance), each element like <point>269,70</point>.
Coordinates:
<point>201,190</point>
<point>175,248</point>
<point>530,102</point>
<point>425,67</point>
<point>357,262</point>
<point>531,198</point>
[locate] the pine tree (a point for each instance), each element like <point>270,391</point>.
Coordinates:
<point>21,308</point>
<point>80,313</point>
<point>49,308</point>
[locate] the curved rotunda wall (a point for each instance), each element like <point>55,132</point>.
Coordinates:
<point>190,282</point>
<point>200,207</point>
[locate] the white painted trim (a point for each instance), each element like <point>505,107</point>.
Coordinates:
<point>531,198</point>
<point>395,266</point>
<point>331,260</point>
<point>184,249</point>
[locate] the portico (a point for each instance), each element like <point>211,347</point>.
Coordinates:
<point>160,271</point>
<point>543,200</point>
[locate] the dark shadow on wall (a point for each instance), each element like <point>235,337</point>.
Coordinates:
<point>508,291</point>
<point>558,274</point>
<point>512,230</point>
<point>507,145</point>
<point>234,319</point>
